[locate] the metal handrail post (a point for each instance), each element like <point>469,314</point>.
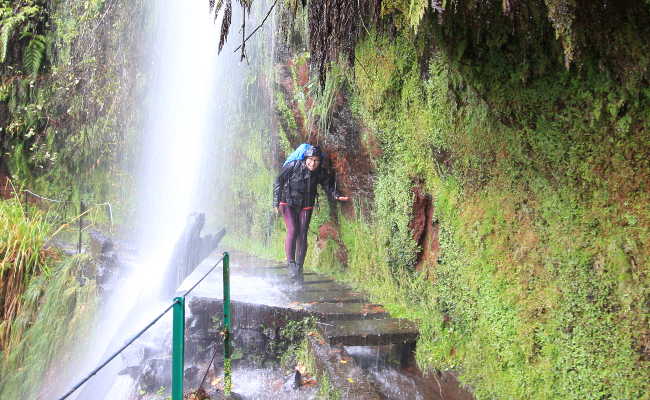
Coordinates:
<point>82,210</point>
<point>178,348</point>
<point>227,362</point>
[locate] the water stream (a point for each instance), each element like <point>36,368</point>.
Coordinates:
<point>181,114</point>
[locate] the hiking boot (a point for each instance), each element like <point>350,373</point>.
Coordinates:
<point>295,272</point>
<point>298,277</point>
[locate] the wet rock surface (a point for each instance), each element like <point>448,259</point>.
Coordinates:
<point>346,376</point>
<point>264,302</point>
<point>192,248</point>
<point>395,381</point>
<point>156,373</point>
<point>372,332</point>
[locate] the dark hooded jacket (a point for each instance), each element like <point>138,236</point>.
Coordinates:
<point>296,185</point>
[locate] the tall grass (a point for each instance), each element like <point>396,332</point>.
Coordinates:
<point>21,257</point>
<point>57,308</point>
<point>45,301</point>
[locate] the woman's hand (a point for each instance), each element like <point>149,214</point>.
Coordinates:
<point>343,198</point>
<point>277,210</point>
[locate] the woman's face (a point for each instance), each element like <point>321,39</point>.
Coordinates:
<point>312,163</point>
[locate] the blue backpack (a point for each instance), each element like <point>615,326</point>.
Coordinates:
<point>298,154</point>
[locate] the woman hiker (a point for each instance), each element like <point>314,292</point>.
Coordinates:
<point>294,193</point>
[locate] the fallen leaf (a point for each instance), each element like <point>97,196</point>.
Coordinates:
<point>309,382</point>
<point>350,380</point>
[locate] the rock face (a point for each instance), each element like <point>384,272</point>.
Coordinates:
<point>156,373</point>
<point>424,230</point>
<point>190,250</point>
<point>102,249</point>
<point>257,330</point>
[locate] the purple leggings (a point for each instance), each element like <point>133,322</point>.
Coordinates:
<point>297,222</point>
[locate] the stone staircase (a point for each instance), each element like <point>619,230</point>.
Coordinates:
<point>345,316</point>
<point>262,294</point>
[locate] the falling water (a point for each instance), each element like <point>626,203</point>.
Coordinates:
<point>179,122</point>
<point>181,101</point>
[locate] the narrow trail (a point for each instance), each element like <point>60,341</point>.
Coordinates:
<point>262,293</point>
<point>346,317</point>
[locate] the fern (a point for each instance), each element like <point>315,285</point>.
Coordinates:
<point>225,24</point>
<point>416,12</point>
<point>217,5</point>
<point>6,33</point>
<point>10,20</point>
<point>34,54</point>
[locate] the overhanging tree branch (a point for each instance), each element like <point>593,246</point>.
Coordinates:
<point>241,46</point>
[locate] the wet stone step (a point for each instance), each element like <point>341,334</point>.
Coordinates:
<point>347,378</point>
<point>372,332</point>
<point>333,296</point>
<point>315,280</point>
<point>344,311</point>
<point>323,286</point>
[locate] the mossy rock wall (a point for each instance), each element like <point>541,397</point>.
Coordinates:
<point>526,125</point>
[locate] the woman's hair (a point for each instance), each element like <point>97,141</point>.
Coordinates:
<point>314,151</point>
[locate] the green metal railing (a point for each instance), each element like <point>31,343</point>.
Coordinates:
<point>178,337</point>
<point>227,349</point>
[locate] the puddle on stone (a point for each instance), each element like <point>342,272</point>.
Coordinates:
<point>268,384</point>
<point>384,366</point>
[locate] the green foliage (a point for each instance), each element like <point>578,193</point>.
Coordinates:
<point>68,101</point>
<point>34,54</point>
<point>540,286</point>
<point>321,112</point>
<point>290,341</point>
<point>47,303</point>
<point>64,131</point>
<point>21,245</point>
<point>24,15</point>
<point>406,12</point>
<point>252,180</point>
<point>539,176</point>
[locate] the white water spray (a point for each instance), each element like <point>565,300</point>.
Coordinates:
<point>180,101</point>
<point>178,124</point>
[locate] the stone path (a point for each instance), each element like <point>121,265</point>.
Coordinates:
<point>264,299</point>
<point>345,316</point>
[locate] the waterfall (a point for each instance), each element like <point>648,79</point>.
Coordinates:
<point>180,109</point>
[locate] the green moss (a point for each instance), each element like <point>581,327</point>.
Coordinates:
<point>536,293</point>
<point>539,180</point>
